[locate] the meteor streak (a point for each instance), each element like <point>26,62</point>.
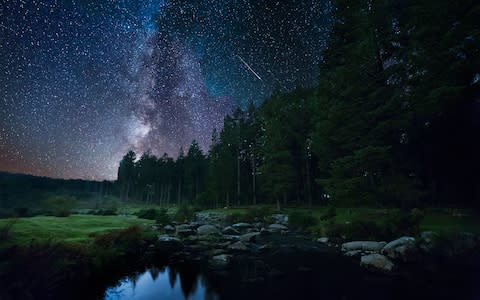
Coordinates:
<point>245,63</point>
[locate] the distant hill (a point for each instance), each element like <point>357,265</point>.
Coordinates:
<point>23,190</point>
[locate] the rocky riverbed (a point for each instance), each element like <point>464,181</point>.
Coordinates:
<point>211,240</point>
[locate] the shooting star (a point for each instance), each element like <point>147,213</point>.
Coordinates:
<point>254,73</point>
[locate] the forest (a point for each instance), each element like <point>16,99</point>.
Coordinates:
<point>393,122</point>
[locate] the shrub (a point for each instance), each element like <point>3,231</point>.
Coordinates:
<point>149,214</point>
<point>60,205</point>
<point>162,217</point>
<point>356,230</point>
<point>127,241</point>
<point>400,223</point>
<point>257,213</point>
<point>301,220</point>
<point>21,212</point>
<point>234,218</point>
<point>184,213</point>
<point>6,229</point>
<point>329,214</point>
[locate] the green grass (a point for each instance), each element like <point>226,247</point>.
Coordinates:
<point>443,222</point>
<point>72,229</point>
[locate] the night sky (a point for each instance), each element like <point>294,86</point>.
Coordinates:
<point>82,82</point>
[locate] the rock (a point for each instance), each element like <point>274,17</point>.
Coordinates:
<point>229,230</point>
<point>400,248</point>
<point>238,246</point>
<point>427,240</point>
<point>248,237</point>
<point>281,218</point>
<point>168,243</point>
<point>323,240</point>
<point>377,261</point>
<point>207,230</point>
<point>463,243</point>
<point>220,261</point>
<point>169,228</point>
<point>242,226</point>
<point>363,246</point>
<point>277,228</point>
<point>353,253</point>
<point>185,232</point>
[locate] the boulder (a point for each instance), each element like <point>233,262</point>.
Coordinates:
<point>169,228</point>
<point>353,253</point>
<point>242,226</point>
<point>281,218</point>
<point>229,230</point>
<point>400,248</point>
<point>238,246</point>
<point>184,230</point>
<point>207,230</point>
<point>363,246</point>
<point>248,237</point>
<point>168,243</point>
<point>427,241</point>
<point>277,227</point>
<point>323,240</point>
<point>220,261</point>
<point>377,261</point>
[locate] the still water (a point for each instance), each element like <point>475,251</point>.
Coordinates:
<point>165,284</point>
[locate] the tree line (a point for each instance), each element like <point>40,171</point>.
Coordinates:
<point>393,121</point>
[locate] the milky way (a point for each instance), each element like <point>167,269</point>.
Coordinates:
<point>82,82</point>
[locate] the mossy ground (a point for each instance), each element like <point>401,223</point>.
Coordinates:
<point>71,229</point>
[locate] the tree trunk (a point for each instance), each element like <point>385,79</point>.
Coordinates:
<point>253,179</point>
<point>179,193</point>
<point>238,178</point>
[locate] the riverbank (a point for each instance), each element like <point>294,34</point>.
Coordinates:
<point>258,256</point>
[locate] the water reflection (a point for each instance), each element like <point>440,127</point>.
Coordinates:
<point>165,284</point>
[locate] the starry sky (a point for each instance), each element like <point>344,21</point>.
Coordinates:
<point>82,82</point>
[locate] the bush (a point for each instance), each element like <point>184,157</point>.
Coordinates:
<point>60,205</point>
<point>21,212</point>
<point>257,213</point>
<point>162,217</point>
<point>125,240</point>
<point>149,214</point>
<point>302,220</point>
<point>399,223</point>
<point>6,229</point>
<point>356,230</point>
<point>329,214</point>
<point>184,213</point>
<point>234,218</point>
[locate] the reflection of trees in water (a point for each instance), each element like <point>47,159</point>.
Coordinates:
<point>188,280</point>
<point>154,272</point>
<point>172,276</point>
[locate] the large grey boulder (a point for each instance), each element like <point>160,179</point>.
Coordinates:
<point>277,227</point>
<point>363,246</point>
<point>400,248</point>
<point>377,261</point>
<point>207,230</point>
<point>248,237</point>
